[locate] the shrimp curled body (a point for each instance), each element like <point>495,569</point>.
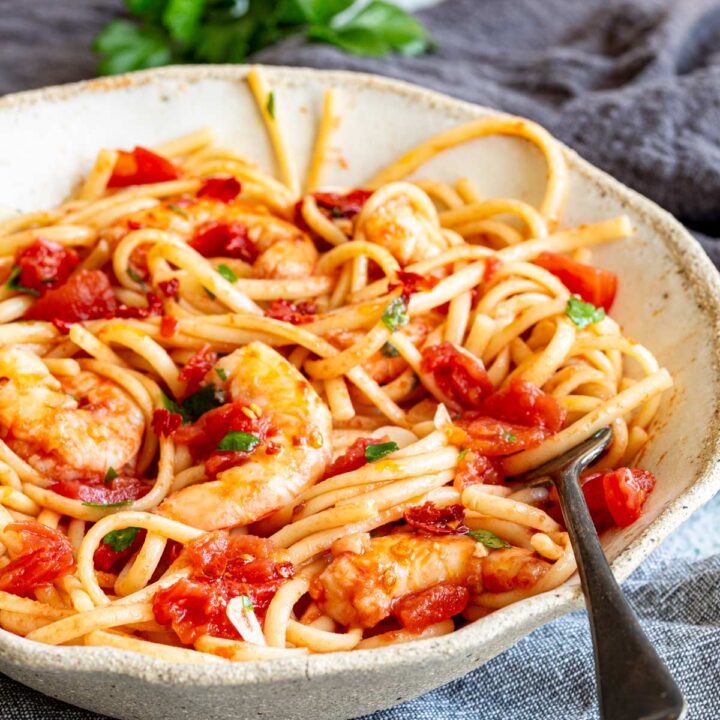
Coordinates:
<point>75,427</point>
<point>265,482</point>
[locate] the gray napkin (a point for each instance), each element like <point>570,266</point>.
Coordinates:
<point>634,86</point>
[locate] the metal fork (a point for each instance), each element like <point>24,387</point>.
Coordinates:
<point>632,681</point>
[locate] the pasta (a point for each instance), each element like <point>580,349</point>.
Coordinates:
<point>241,423</point>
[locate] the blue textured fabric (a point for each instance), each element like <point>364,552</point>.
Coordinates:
<point>634,86</point>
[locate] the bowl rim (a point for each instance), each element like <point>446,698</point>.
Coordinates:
<point>516,620</point>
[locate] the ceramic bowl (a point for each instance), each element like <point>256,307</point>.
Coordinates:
<point>668,299</point>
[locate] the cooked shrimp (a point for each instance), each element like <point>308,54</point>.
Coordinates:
<point>75,427</point>
<point>386,364</point>
<point>282,250</point>
<point>358,590</point>
<point>398,227</point>
<point>512,569</point>
<point>265,482</point>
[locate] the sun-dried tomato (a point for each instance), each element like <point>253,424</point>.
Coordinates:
<point>197,367</point>
<point>431,518</point>
<point>96,490</point>
<point>295,313</point>
<point>419,610</point>
<point>169,288</point>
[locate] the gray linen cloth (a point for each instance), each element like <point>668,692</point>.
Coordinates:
<point>634,86</point>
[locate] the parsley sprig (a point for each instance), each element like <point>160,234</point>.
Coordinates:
<point>163,32</point>
<point>583,313</point>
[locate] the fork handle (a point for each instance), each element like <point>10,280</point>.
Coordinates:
<point>633,682</point>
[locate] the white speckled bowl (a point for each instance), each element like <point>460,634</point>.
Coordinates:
<point>668,299</point>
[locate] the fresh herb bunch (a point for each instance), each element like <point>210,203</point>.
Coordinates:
<point>163,32</point>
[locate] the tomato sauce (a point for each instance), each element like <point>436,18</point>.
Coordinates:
<point>44,265</point>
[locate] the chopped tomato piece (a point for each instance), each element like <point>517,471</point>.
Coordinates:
<point>154,307</point>
<point>44,265</point>
<point>427,607</point>
<point>512,569</point>
<point>459,375</point>
<point>352,459</point>
<point>218,188</point>
<point>108,560</point>
<point>477,469</point>
<point>165,423</point>
<point>197,367</point>
<point>494,438</point>
<point>592,284</point>
<point>45,556</point>
<point>168,326</point>
<point>169,288</point>
<point>140,167</point>
<point>120,489</point>
<point>87,295</point>
<point>202,437</point>
<point>295,313</point>
<point>523,403</point>
<point>225,240</point>
<point>222,567</point>
<point>430,518</point>
<point>342,206</point>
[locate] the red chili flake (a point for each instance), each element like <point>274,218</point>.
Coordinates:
<point>459,375</point>
<point>44,265</point>
<point>45,555</point>
<point>435,520</point>
<point>165,423</point>
<point>419,610</point>
<point>218,188</point>
<point>140,167</point>
<point>221,567</point>
<point>411,282</point>
<point>154,307</point>
<point>291,312</point>
<point>225,240</point>
<point>168,326</point>
<point>197,367</point>
<point>169,288</point>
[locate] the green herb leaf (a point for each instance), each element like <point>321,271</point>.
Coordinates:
<point>247,603</point>
<point>489,539</point>
<point>583,313</point>
<point>389,350</point>
<point>108,505</point>
<point>227,273</point>
<point>321,12</point>
<point>509,437</point>
<point>395,315</point>
<point>182,19</point>
<point>173,407</point>
<point>220,372</point>
<point>13,284</point>
<point>125,47</point>
<point>375,452</point>
<point>177,210</point>
<point>110,475</point>
<point>462,454</point>
<point>376,30</point>
<point>120,540</point>
<point>270,107</point>
<point>236,441</point>
<point>206,398</point>
<point>135,277</point>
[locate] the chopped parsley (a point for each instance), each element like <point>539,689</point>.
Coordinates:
<point>173,407</point>
<point>583,313</point>
<point>177,210</point>
<point>220,372</point>
<point>110,475</point>
<point>120,540</point>
<point>375,452</point>
<point>509,437</point>
<point>227,273</point>
<point>206,398</point>
<point>135,277</point>
<point>237,441</point>
<point>120,503</point>
<point>270,106</point>
<point>395,314</point>
<point>462,454</point>
<point>389,350</point>
<point>13,284</point>
<point>488,539</point>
